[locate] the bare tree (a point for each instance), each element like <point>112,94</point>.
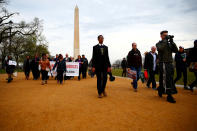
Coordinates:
<point>10,32</point>
<point>23,28</point>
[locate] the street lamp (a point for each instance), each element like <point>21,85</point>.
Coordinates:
<point>10,27</point>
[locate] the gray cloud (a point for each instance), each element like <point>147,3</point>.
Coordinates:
<point>113,18</point>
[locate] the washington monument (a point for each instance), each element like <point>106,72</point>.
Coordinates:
<point>76,32</point>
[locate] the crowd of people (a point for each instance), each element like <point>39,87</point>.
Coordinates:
<point>162,64</point>
<point>42,66</point>
<point>155,63</point>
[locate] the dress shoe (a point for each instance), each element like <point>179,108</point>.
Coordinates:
<point>191,89</point>
<point>104,94</point>
<point>100,96</point>
<point>170,99</point>
<point>186,88</point>
<point>135,90</point>
<point>154,88</point>
<point>159,93</point>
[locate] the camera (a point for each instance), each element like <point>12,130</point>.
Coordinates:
<point>169,37</point>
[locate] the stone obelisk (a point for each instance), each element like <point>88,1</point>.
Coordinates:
<point>76,32</point>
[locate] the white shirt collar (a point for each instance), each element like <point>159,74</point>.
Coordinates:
<point>153,53</point>
<point>100,44</point>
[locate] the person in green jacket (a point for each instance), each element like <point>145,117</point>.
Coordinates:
<point>165,49</point>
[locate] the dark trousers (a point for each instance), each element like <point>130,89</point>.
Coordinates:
<point>151,79</point>
<point>179,74</point>
<point>44,74</point>
<point>60,76</point>
<point>195,82</point>
<point>166,82</point>
<point>80,72</point>
<point>124,72</point>
<point>84,72</point>
<point>101,81</point>
<point>27,73</point>
<point>36,73</point>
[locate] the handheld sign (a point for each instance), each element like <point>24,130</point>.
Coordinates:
<point>132,74</point>
<point>11,62</point>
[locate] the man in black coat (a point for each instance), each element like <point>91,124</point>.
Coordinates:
<point>101,65</point>
<point>35,67</point>
<point>67,59</point>
<point>26,67</point>
<point>134,62</point>
<point>9,69</point>
<point>150,64</point>
<point>124,67</point>
<point>181,66</point>
<point>192,57</point>
<point>165,49</point>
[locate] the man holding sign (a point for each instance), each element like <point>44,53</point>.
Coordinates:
<point>101,65</point>
<point>134,61</point>
<point>10,66</point>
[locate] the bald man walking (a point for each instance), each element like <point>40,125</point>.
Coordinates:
<point>150,64</point>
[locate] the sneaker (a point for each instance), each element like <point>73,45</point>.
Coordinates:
<point>147,86</point>
<point>159,93</point>
<point>9,80</point>
<point>186,88</point>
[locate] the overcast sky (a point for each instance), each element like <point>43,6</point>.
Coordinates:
<point>121,22</point>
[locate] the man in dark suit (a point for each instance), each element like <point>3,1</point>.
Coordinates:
<point>35,67</point>
<point>101,65</point>
<point>124,67</point>
<point>150,64</point>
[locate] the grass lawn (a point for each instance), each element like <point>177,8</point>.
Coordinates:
<point>190,75</point>
<point>2,71</point>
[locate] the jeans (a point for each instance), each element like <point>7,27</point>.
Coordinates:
<point>138,70</point>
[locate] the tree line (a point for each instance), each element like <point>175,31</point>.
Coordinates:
<point>19,39</point>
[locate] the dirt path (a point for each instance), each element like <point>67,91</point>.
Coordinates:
<point>30,106</point>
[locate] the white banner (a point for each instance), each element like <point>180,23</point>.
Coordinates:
<point>11,62</point>
<point>72,68</point>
